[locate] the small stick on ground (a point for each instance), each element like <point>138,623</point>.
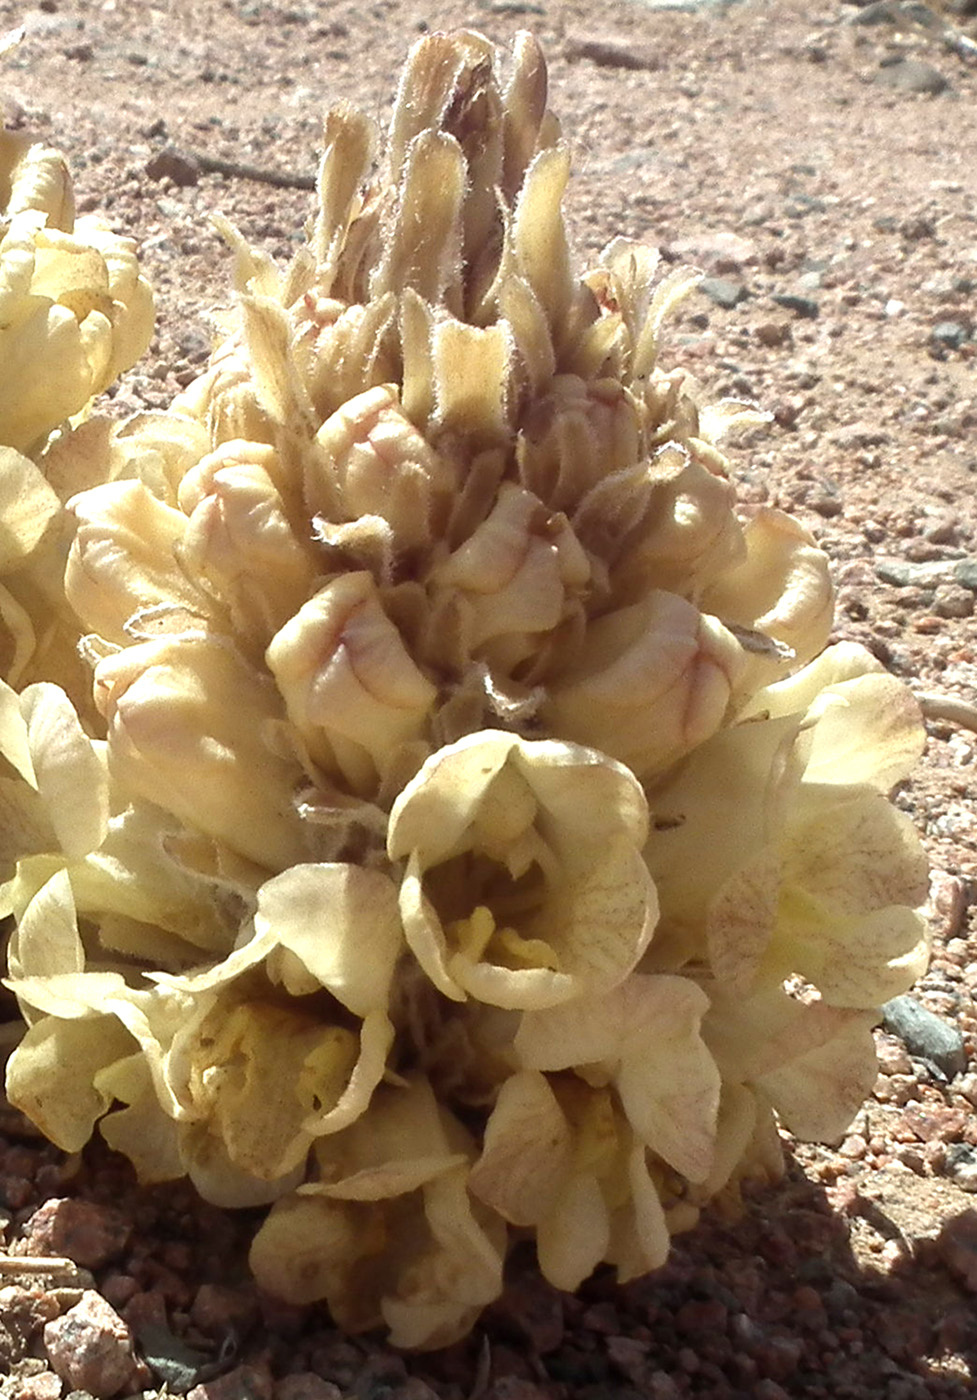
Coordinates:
<point>949,708</point>
<point>184,167</point>
<point>282,179</point>
<point>30,1264</point>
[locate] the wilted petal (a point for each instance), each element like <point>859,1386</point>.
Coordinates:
<point>640,1239</point>
<point>137,874</point>
<point>574,1235</point>
<point>147,1135</point>
<point>46,940</point>
<point>336,1240</point>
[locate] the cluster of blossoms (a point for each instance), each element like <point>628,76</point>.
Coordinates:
<point>456,827</point>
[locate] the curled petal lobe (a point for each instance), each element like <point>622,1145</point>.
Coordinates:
<point>342,922</point>
<point>123,559</point>
<point>782,588</point>
<point>350,686</point>
<point>516,575</point>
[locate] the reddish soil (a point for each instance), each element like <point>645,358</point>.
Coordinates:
<point>772,144</point>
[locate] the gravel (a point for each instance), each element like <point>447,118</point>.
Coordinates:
<point>765,142</point>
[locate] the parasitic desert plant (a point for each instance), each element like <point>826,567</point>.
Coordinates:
<point>474,835</point>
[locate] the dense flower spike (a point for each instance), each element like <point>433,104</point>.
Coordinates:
<point>471,834</point>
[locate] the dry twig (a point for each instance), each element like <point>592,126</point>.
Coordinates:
<point>949,708</point>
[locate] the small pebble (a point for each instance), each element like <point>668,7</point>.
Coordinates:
<point>90,1348</point>
<point>86,1233</point>
<point>723,292</point>
<point>243,1383</point>
<point>961,1165</point>
<point>805,307</point>
<point>948,335</point>
<point>306,1385</point>
<point>912,75</point>
<point>772,333</point>
<point>171,164</point>
<point>216,1309</point>
<point>925,1035</point>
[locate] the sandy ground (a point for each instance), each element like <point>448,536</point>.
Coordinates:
<point>782,148</point>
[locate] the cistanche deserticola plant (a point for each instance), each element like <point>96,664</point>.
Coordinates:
<point>479,838</point>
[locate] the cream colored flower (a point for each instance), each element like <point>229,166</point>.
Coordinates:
<point>775,851</point>
<point>74,313</point>
<point>605,1083</point>
<point>397,1179</point>
<point>523,884</point>
<point>236,1079</point>
<point>654,681</point>
<point>575,435</point>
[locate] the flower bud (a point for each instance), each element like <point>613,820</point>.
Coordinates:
<point>240,541</point>
<point>187,725</point>
<point>679,533</point>
<point>349,684</point>
<point>517,576</point>
<point>652,681</point>
<point>574,436</point>
<point>376,463</point>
